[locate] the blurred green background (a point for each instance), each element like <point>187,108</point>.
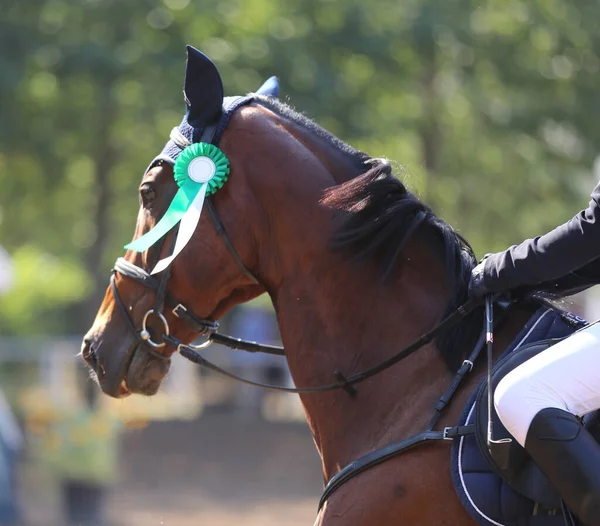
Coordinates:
<point>489,110</point>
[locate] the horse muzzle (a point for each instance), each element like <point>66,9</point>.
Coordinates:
<point>120,369</point>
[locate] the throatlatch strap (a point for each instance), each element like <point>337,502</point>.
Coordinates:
<point>222,234</point>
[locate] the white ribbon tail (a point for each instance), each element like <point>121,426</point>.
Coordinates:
<point>187,227</point>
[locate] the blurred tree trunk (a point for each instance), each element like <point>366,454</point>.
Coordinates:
<point>105,158</point>
<point>429,130</point>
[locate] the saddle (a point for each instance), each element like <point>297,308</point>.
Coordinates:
<point>501,486</point>
<point>506,457</point>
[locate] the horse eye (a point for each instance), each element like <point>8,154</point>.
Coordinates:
<point>147,195</point>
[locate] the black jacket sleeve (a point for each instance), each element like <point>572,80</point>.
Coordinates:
<point>565,249</point>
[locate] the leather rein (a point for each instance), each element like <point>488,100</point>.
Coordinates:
<point>209,328</point>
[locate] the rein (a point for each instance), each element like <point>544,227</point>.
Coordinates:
<point>448,433</point>
<point>211,134</point>
<point>210,328</point>
<point>190,352</point>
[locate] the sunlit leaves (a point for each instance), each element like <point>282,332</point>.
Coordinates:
<point>505,93</point>
<point>43,284</point>
<point>43,87</point>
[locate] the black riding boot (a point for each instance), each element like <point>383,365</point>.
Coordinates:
<point>570,458</point>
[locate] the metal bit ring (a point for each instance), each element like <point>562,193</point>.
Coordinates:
<point>145,333</point>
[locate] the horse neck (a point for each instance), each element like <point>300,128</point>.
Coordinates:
<point>336,316</point>
<point>340,318</point>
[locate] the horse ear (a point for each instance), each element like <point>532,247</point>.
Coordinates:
<point>203,89</point>
<point>270,87</point>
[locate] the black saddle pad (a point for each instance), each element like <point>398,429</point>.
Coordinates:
<point>507,457</point>
<point>481,483</point>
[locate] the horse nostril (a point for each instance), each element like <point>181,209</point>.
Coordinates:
<point>86,349</point>
<point>89,355</point>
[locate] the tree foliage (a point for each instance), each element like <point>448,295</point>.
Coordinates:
<point>489,108</point>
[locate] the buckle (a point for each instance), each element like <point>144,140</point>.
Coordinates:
<point>180,307</point>
<point>469,363</point>
<point>445,433</point>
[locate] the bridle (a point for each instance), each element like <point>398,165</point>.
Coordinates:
<point>201,326</point>
<point>209,328</point>
<point>212,134</point>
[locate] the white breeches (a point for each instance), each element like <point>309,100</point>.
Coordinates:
<point>565,376</point>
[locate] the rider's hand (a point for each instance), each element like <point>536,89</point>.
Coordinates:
<point>477,288</point>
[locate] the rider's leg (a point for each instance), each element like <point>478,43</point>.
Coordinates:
<point>536,403</point>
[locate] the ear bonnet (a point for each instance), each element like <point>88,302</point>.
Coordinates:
<point>200,168</point>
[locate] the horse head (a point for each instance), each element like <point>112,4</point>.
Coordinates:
<point>249,196</point>
<point>224,260</point>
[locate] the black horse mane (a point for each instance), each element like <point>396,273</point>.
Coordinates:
<point>381,216</point>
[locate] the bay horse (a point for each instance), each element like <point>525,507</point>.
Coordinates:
<point>356,266</point>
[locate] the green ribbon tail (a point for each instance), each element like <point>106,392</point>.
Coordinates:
<point>181,202</point>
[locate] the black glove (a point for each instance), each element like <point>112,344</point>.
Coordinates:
<point>572,283</point>
<point>477,288</point>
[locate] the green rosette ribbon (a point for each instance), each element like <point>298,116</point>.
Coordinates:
<point>200,170</point>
